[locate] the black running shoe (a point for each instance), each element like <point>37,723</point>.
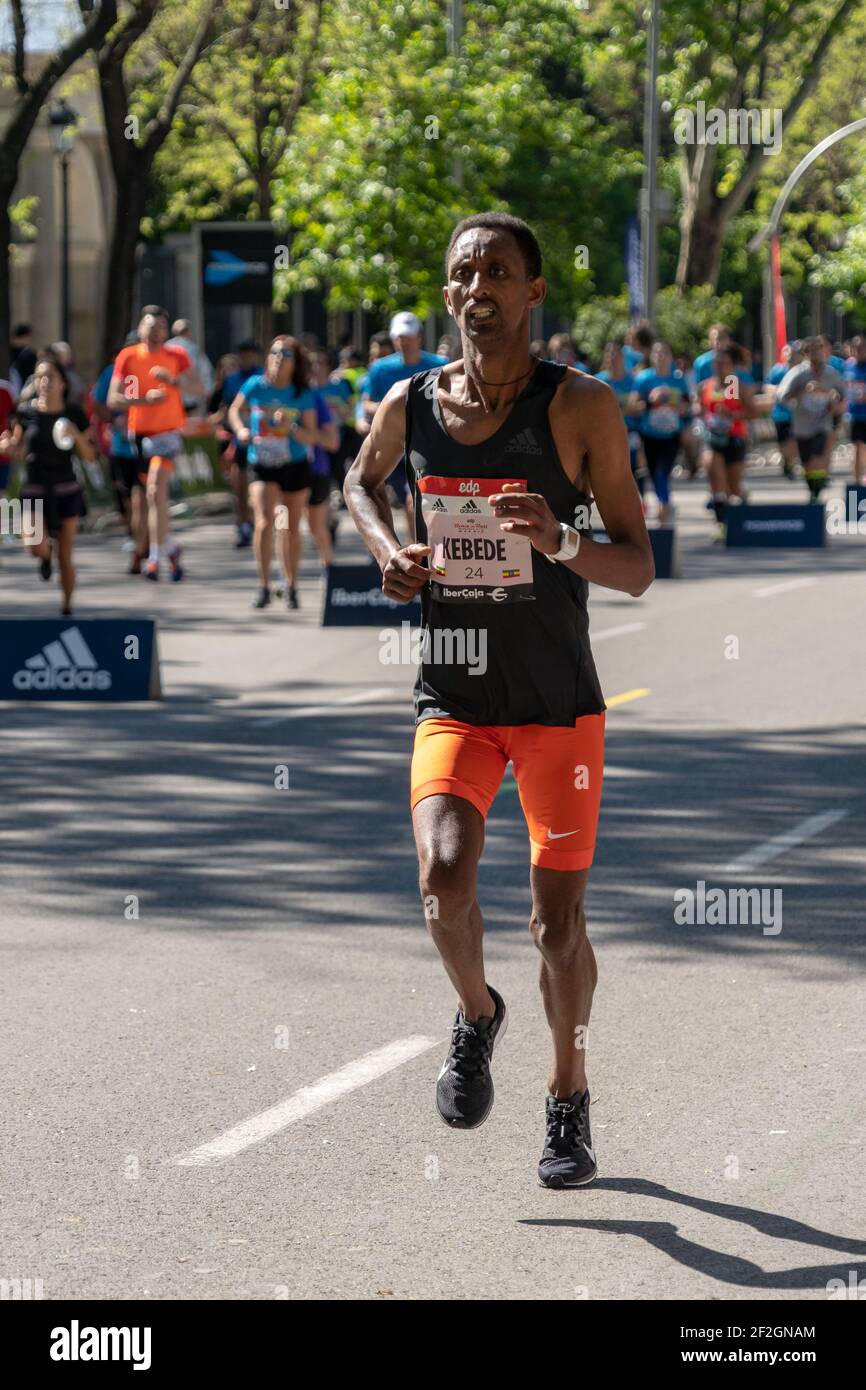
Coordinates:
<point>262,599</point>
<point>568,1159</point>
<point>464,1088</point>
<point>45,568</point>
<point>292,597</point>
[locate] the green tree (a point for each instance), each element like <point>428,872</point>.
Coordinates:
<point>32,89</point>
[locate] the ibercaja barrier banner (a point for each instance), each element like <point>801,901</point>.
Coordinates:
<point>198,467</point>
<point>79,659</point>
<point>354,598</point>
<point>775,524</point>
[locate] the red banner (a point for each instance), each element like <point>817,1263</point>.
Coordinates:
<point>778,296</point>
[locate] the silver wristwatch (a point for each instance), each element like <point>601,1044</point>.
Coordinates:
<point>569,543</point>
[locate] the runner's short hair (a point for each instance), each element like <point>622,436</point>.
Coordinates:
<point>156,311</point>
<point>502,222</point>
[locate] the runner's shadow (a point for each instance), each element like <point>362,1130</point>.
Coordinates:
<point>730,1269</point>
<point>767,1222</point>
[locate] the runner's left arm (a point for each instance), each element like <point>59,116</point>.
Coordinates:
<point>626,561</point>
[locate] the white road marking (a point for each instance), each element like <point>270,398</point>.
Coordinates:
<point>363,697</point>
<point>771,849</point>
<point>616,631</point>
<point>306,1101</point>
<point>783,587</point>
<point>357,697</point>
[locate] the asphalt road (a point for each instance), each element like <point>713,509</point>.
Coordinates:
<point>279,970</point>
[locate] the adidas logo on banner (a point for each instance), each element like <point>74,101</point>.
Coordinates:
<point>67,664</point>
<point>470,506</point>
<point>438,506</point>
<point>522,443</point>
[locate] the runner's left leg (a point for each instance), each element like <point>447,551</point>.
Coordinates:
<point>568,973</point>
<point>65,544</point>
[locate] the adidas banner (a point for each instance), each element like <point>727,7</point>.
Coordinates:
<point>72,659</point>
<point>354,598</point>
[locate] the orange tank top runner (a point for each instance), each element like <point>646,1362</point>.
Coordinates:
<point>723,413</point>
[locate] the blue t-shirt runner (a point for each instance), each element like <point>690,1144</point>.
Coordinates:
<point>271,445</point>
<point>855,388</point>
<point>121,445</point>
<point>662,421</point>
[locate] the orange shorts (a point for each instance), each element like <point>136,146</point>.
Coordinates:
<point>159,464</point>
<point>558,773</point>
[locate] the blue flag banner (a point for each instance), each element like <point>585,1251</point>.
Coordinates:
<point>634,278</point>
<point>79,659</point>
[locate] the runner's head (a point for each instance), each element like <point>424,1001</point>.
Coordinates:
<point>153,326</point>
<point>661,358</point>
<point>249,355</point>
<point>612,360</point>
<point>227,364</point>
<point>858,347</point>
<point>405,332</point>
<point>287,363</point>
<point>828,346</point>
<point>720,336</point>
<point>448,346</point>
<point>641,338</point>
<point>494,280</point>
<point>561,349</point>
<point>380,345</point>
<point>816,351</point>
<point>724,363</point>
<point>51,381</point>
<point>320,368</point>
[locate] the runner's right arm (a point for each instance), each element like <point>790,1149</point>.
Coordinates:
<point>367,501</point>
<point>236,422</point>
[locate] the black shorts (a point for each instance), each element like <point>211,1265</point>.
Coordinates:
<point>127,473</point>
<point>812,447</point>
<point>858,431</point>
<point>783,430</point>
<point>289,477</point>
<point>60,501</point>
<point>661,453</point>
<point>321,489</point>
<point>240,457</point>
<point>732,450</point>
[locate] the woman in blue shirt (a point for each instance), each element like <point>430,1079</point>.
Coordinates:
<point>621,382</point>
<point>663,404</point>
<point>282,428</point>
<point>855,395</point>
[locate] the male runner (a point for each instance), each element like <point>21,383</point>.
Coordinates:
<point>504,453</point>
<point>790,356</point>
<point>815,392</point>
<point>249,365</point>
<point>855,391</point>
<point>149,380</point>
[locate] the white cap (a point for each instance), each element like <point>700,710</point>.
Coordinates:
<point>404,324</point>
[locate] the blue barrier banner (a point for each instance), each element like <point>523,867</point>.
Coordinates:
<point>775,524</point>
<point>354,598</point>
<point>663,540</point>
<point>79,659</point>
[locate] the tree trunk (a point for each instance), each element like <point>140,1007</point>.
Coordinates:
<point>5,252</point>
<point>120,268</point>
<point>702,224</point>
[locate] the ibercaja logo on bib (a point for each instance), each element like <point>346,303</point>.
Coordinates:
<point>473,560</point>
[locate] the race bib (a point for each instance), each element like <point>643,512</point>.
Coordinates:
<point>473,560</point>
<point>720,425</point>
<point>664,419</point>
<point>272,446</point>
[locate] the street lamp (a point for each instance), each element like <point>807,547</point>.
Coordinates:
<point>62,120</point>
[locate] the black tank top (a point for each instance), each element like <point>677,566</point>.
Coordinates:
<point>507,630</point>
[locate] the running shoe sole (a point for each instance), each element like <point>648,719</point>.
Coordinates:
<point>557,1183</point>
